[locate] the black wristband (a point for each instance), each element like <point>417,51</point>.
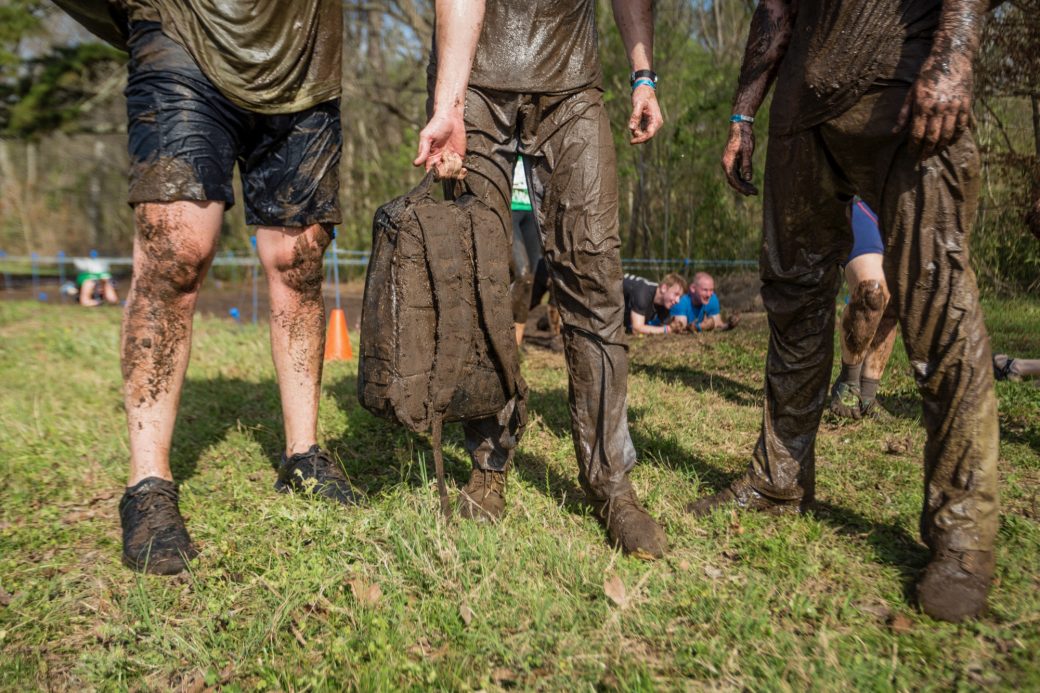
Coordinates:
<point>642,74</point>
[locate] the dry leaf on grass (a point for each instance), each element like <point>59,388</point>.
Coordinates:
<point>615,590</point>
<point>878,610</point>
<point>466,613</point>
<point>366,593</point>
<point>194,683</point>
<point>899,624</point>
<point>899,446</point>
<point>503,675</point>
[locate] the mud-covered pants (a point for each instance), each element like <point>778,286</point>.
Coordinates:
<point>566,142</point>
<point>926,211</point>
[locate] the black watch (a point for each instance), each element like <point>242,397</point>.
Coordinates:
<point>642,74</point>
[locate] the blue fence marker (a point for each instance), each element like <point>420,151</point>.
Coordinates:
<point>7,273</point>
<point>36,277</point>
<point>61,275</point>
<point>252,240</point>
<point>335,266</point>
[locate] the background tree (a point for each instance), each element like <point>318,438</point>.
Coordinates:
<point>63,158</point>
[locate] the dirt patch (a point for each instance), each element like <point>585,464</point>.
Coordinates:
<point>739,292</point>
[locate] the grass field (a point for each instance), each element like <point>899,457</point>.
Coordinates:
<point>295,595</point>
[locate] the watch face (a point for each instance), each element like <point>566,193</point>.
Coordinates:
<point>642,74</point>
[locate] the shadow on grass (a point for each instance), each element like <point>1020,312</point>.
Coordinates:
<point>1019,432</point>
<point>891,543</point>
<point>370,449</point>
<point>732,390</point>
<point>210,408</point>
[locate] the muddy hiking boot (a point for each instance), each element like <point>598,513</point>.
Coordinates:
<point>955,585</point>
<point>631,528</point>
<point>741,495</point>
<point>154,537</point>
<point>845,400</point>
<point>483,497</point>
<point>315,473</point>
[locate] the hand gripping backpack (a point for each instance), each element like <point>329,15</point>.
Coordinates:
<point>437,338</point>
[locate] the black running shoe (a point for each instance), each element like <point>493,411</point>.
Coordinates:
<point>154,537</point>
<point>315,472</point>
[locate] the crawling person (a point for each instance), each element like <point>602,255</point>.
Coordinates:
<point>699,309</point>
<point>889,121</point>
<point>212,85</point>
<point>868,325</point>
<point>648,304</point>
<point>94,282</point>
<point>1015,370</point>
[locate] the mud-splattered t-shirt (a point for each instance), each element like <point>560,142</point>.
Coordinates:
<point>266,56</point>
<point>839,48</point>
<point>536,47</point>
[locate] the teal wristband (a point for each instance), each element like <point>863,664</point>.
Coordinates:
<point>644,82</point>
<point>740,118</point>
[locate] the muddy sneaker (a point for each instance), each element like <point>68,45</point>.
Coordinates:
<point>314,472</point>
<point>154,537</point>
<point>1004,368</point>
<point>483,497</point>
<point>631,528</point>
<point>873,411</point>
<point>742,495</point>
<point>955,585</point>
<point>845,400</point>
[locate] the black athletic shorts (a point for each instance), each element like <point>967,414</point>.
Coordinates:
<point>185,138</point>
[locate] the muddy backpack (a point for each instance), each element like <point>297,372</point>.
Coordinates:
<point>437,338</point>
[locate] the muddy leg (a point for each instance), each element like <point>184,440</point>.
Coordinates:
<point>86,293</point>
<point>861,319</point>
<point>859,324</point>
<point>881,347</point>
<point>292,259</point>
<point>110,292</point>
<point>173,246</point>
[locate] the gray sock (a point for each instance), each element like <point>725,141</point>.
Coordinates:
<point>851,374</point>
<point>868,389</point>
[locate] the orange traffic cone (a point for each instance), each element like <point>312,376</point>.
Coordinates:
<point>337,341</point>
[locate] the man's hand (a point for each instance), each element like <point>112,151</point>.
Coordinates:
<point>736,158</point>
<point>938,106</point>
<point>442,145</point>
<point>646,117</point>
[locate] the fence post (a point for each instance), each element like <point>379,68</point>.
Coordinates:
<point>252,240</point>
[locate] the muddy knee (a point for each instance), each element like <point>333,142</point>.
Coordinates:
<point>299,267</point>
<point>170,274</point>
<point>863,314</point>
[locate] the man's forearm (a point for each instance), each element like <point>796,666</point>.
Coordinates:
<point>458,30</point>
<point>770,33</point>
<point>635,20</point>
<point>957,37</point>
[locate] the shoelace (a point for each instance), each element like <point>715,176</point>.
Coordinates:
<point>158,505</point>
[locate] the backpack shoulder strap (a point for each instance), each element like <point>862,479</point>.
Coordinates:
<point>449,259</point>
<point>491,255</point>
